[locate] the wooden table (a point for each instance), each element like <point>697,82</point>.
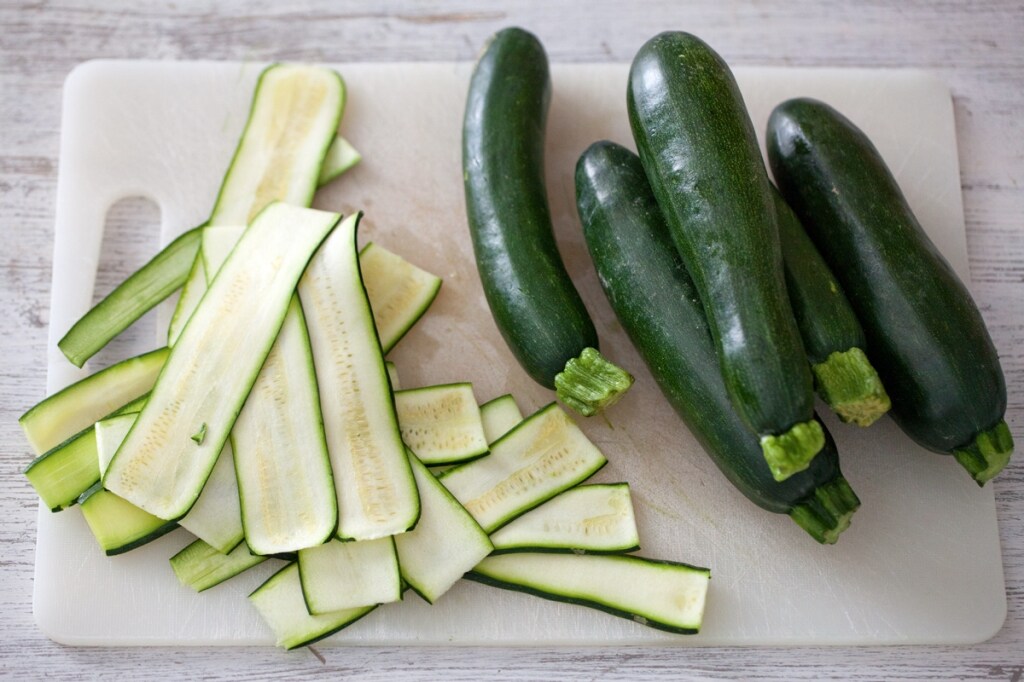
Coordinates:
<point>976,48</point>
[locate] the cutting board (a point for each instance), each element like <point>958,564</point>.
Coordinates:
<point>920,564</point>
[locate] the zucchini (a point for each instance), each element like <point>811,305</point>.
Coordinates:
<point>345,575</point>
<point>118,525</point>
<point>375,486</point>
<point>660,594</point>
<point>530,464</point>
<point>167,456</point>
<point>587,519</point>
<point>392,375</point>
<point>341,156</point>
<point>441,424</point>
<point>657,303</point>
<point>399,292</point>
<point>832,335</point>
<point>534,303</point>
<point>499,415</point>
<point>703,163</point>
<point>191,293</point>
<point>926,336</point>
<point>110,433</point>
<point>201,566</point>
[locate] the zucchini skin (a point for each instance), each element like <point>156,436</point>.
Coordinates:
<point>534,303</point>
<point>657,303</point>
<point>927,338</point>
<point>702,160</point>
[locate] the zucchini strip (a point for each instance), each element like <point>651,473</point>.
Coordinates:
<point>399,292</point>
<point>532,463</point>
<point>118,525</point>
<point>441,424</point>
<point>375,487</point>
<point>169,453</point>
<point>345,575</point>
<point>499,416</point>
<point>660,594</point>
<point>146,287</point>
<point>191,293</point>
<point>200,566</point>
<point>341,156</point>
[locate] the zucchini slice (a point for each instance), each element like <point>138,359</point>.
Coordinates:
<point>445,543</point>
<point>399,292</point>
<point>201,566</point>
<point>345,575</point>
<point>499,416</point>
<point>392,374</point>
<point>147,286</point>
<point>660,594</point>
<point>341,156</point>
<point>375,487</point>
<point>280,602</point>
<point>110,433</point>
<point>292,123</point>
<point>79,406</point>
<point>169,452</point>
<point>588,519</point>
<point>532,463</point>
<point>118,525</point>
<point>191,293</point>
<point>441,424</point>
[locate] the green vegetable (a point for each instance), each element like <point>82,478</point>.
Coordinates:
<point>657,304</point>
<point>702,160</point>
<point>925,334</point>
<point>533,301</point>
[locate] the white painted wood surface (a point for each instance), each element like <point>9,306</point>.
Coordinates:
<point>975,48</point>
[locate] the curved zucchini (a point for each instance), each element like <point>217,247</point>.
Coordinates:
<point>702,160</point>
<point>657,303</point>
<point>832,335</point>
<point>534,303</point>
<point>926,336</point>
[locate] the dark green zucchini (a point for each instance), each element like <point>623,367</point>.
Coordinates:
<point>832,335</point>
<point>925,335</point>
<point>702,160</point>
<point>657,304</point>
<point>534,303</point>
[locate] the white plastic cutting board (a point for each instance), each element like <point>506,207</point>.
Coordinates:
<point>920,564</point>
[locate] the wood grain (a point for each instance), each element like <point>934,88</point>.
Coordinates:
<point>975,48</point>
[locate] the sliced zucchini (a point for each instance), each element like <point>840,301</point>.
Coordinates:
<point>110,433</point>
<point>392,375</point>
<point>147,286</point>
<point>532,463</point>
<point>441,424</point>
<point>80,405</point>
<point>191,293</point>
<point>216,247</point>
<point>119,526</point>
<point>292,123</point>
<point>201,566</point>
<point>375,487</point>
<point>660,594</point>
<point>344,575</point>
<point>499,416</point>
<point>445,543</point>
<point>341,156</point>
<point>399,292</point>
<point>586,519</point>
<point>280,602</point>
<point>169,452</point>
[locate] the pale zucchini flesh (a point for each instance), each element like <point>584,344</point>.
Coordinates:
<point>217,244</point>
<point>399,292</point>
<point>594,518</point>
<point>441,424</point>
<point>341,156</point>
<point>499,416</point>
<point>167,456</point>
<point>280,602</point>
<point>292,122</point>
<point>344,575</point>
<point>375,488</point>
<point>63,414</point>
<point>191,293</point>
<point>110,433</point>
<point>445,543</point>
<point>546,454</point>
<point>201,566</point>
<point>118,525</point>
<point>392,375</point>
<point>660,594</point>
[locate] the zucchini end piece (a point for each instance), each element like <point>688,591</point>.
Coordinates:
<point>791,452</point>
<point>826,512</point>
<point>851,387</point>
<point>589,383</point>
<point>987,454</point>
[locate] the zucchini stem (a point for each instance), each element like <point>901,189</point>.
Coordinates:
<point>791,452</point>
<point>987,454</point>
<point>590,383</point>
<point>826,512</point>
<point>851,387</point>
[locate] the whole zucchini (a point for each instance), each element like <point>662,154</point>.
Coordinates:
<point>925,334</point>
<point>701,158</point>
<point>534,303</point>
<point>832,335</point>
<point>657,304</point>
